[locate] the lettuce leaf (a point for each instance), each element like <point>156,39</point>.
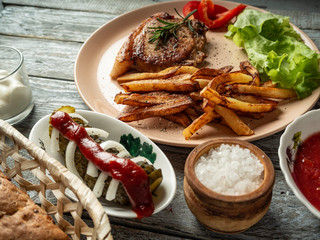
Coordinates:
<point>277,50</point>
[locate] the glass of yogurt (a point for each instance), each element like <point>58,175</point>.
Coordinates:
<point>16,100</point>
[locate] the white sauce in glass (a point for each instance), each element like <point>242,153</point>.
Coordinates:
<point>14,95</point>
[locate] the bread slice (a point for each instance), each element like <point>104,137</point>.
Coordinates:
<point>21,218</point>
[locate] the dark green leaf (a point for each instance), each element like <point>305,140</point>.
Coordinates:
<point>135,148</point>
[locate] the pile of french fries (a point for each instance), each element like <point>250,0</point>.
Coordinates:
<point>194,97</point>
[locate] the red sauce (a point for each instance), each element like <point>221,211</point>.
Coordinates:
<point>306,171</point>
<point>132,176</point>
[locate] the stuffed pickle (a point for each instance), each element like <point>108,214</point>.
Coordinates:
<point>101,183</point>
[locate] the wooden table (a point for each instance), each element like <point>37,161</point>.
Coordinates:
<point>50,34</point>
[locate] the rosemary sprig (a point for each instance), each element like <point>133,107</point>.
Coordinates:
<point>161,34</point>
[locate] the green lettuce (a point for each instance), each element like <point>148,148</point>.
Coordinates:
<point>276,50</point>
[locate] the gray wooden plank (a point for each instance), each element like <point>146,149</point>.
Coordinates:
<point>44,58</point>
<point>78,26</point>
<point>302,19</point>
<point>120,232</point>
<point>120,6</point>
<point>102,6</point>
<point>51,23</point>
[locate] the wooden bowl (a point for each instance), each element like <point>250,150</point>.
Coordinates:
<point>226,213</point>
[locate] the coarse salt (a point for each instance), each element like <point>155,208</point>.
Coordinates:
<point>230,170</point>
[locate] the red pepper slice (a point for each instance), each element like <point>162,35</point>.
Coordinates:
<point>205,6</point>
<point>189,7</point>
<point>216,11</point>
<point>132,176</point>
<point>213,12</point>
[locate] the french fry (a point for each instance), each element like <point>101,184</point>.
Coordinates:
<point>166,73</point>
<point>144,99</point>
<point>269,84</point>
<point>268,92</point>
<point>211,95</point>
<point>196,96</point>
<point>226,69</point>
<point>202,82</point>
<point>161,85</point>
<point>233,121</point>
<point>252,99</point>
<point>206,106</point>
<point>190,111</point>
<point>247,67</point>
<point>235,104</point>
<point>178,77</point>
<point>181,118</point>
<point>248,107</point>
<point>187,69</point>
<point>198,107</point>
<point>209,73</point>
<point>175,105</point>
<point>234,77</point>
<point>199,123</point>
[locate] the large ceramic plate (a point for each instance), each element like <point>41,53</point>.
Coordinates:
<point>164,193</point>
<point>96,57</point>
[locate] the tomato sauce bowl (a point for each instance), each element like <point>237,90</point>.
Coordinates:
<point>301,134</point>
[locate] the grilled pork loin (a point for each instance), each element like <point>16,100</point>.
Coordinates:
<point>138,53</point>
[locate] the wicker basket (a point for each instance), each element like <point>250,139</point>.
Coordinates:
<point>20,157</point>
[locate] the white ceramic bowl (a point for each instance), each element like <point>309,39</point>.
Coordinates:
<point>306,124</point>
<point>164,193</point>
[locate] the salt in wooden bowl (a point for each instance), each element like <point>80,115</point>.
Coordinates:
<point>227,213</point>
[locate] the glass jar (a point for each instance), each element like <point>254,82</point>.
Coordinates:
<point>16,100</point>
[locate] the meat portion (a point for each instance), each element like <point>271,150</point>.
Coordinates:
<point>139,54</point>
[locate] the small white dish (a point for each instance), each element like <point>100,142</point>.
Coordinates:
<point>165,192</point>
<point>305,125</point>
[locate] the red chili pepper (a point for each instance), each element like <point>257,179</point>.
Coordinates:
<point>206,5</point>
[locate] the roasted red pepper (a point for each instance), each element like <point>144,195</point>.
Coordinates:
<point>206,5</point>
<point>132,176</point>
